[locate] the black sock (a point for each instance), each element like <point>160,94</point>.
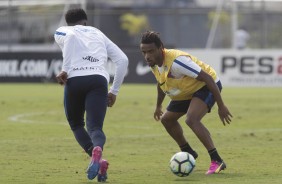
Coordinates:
<point>187,148</point>
<point>214,155</point>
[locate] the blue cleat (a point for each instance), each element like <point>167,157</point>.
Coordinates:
<point>94,165</point>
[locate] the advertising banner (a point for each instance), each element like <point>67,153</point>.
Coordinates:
<point>239,68</point>
<point>44,66</point>
<point>29,67</point>
<point>252,68</point>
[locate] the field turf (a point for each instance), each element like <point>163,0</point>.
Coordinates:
<point>37,146</point>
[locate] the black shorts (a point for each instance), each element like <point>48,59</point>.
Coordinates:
<point>203,93</point>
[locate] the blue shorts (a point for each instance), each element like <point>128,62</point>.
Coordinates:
<point>203,93</point>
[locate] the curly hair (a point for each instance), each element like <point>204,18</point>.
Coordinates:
<point>151,37</point>
<point>75,15</point>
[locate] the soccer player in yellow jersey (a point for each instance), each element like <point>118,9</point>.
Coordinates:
<point>193,87</point>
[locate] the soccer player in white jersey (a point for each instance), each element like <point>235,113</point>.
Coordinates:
<point>86,51</point>
<point>193,87</point>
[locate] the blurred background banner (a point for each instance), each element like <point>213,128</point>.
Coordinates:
<point>259,68</point>
<point>248,30</point>
<point>29,66</point>
<point>247,68</point>
<point>44,66</point>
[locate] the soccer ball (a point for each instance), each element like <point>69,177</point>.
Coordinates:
<point>182,164</point>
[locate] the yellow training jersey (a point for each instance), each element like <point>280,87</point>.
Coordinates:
<point>180,88</point>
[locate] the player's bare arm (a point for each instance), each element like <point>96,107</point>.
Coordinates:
<point>160,98</point>
<point>223,112</point>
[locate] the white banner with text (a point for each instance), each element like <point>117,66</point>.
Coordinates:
<point>240,68</point>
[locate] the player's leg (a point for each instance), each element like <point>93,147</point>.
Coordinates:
<point>200,105</point>
<point>172,126</point>
<point>96,106</point>
<point>195,113</point>
<point>175,110</point>
<point>74,99</point>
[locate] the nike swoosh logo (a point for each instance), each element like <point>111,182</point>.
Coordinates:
<point>162,83</point>
<point>141,69</point>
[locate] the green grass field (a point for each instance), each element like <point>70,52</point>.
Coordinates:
<point>37,146</point>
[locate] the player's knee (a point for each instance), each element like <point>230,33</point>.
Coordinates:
<point>165,121</point>
<point>94,129</point>
<point>191,121</point>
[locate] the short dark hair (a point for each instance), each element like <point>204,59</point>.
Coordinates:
<point>152,37</point>
<point>75,15</point>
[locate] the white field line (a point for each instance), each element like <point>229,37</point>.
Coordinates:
<point>28,117</point>
<point>110,138</point>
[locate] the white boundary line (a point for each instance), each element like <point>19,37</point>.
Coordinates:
<point>27,117</point>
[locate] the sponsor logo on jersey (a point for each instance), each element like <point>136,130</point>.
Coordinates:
<point>86,68</point>
<point>90,58</point>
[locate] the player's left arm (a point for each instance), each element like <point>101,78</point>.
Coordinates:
<point>185,66</point>
<point>223,111</point>
<point>65,41</point>
<point>67,54</point>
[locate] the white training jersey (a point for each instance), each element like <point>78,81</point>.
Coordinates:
<point>182,66</point>
<point>86,51</point>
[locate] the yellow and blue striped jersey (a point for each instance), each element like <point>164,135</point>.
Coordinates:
<point>177,76</point>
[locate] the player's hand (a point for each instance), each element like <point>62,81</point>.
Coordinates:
<point>111,99</point>
<point>62,78</point>
<point>158,113</point>
<point>225,115</point>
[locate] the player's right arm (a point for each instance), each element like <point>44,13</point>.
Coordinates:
<point>118,57</point>
<point>160,98</point>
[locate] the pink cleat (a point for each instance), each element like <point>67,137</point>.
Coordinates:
<point>94,165</point>
<point>102,175</point>
<point>216,167</point>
